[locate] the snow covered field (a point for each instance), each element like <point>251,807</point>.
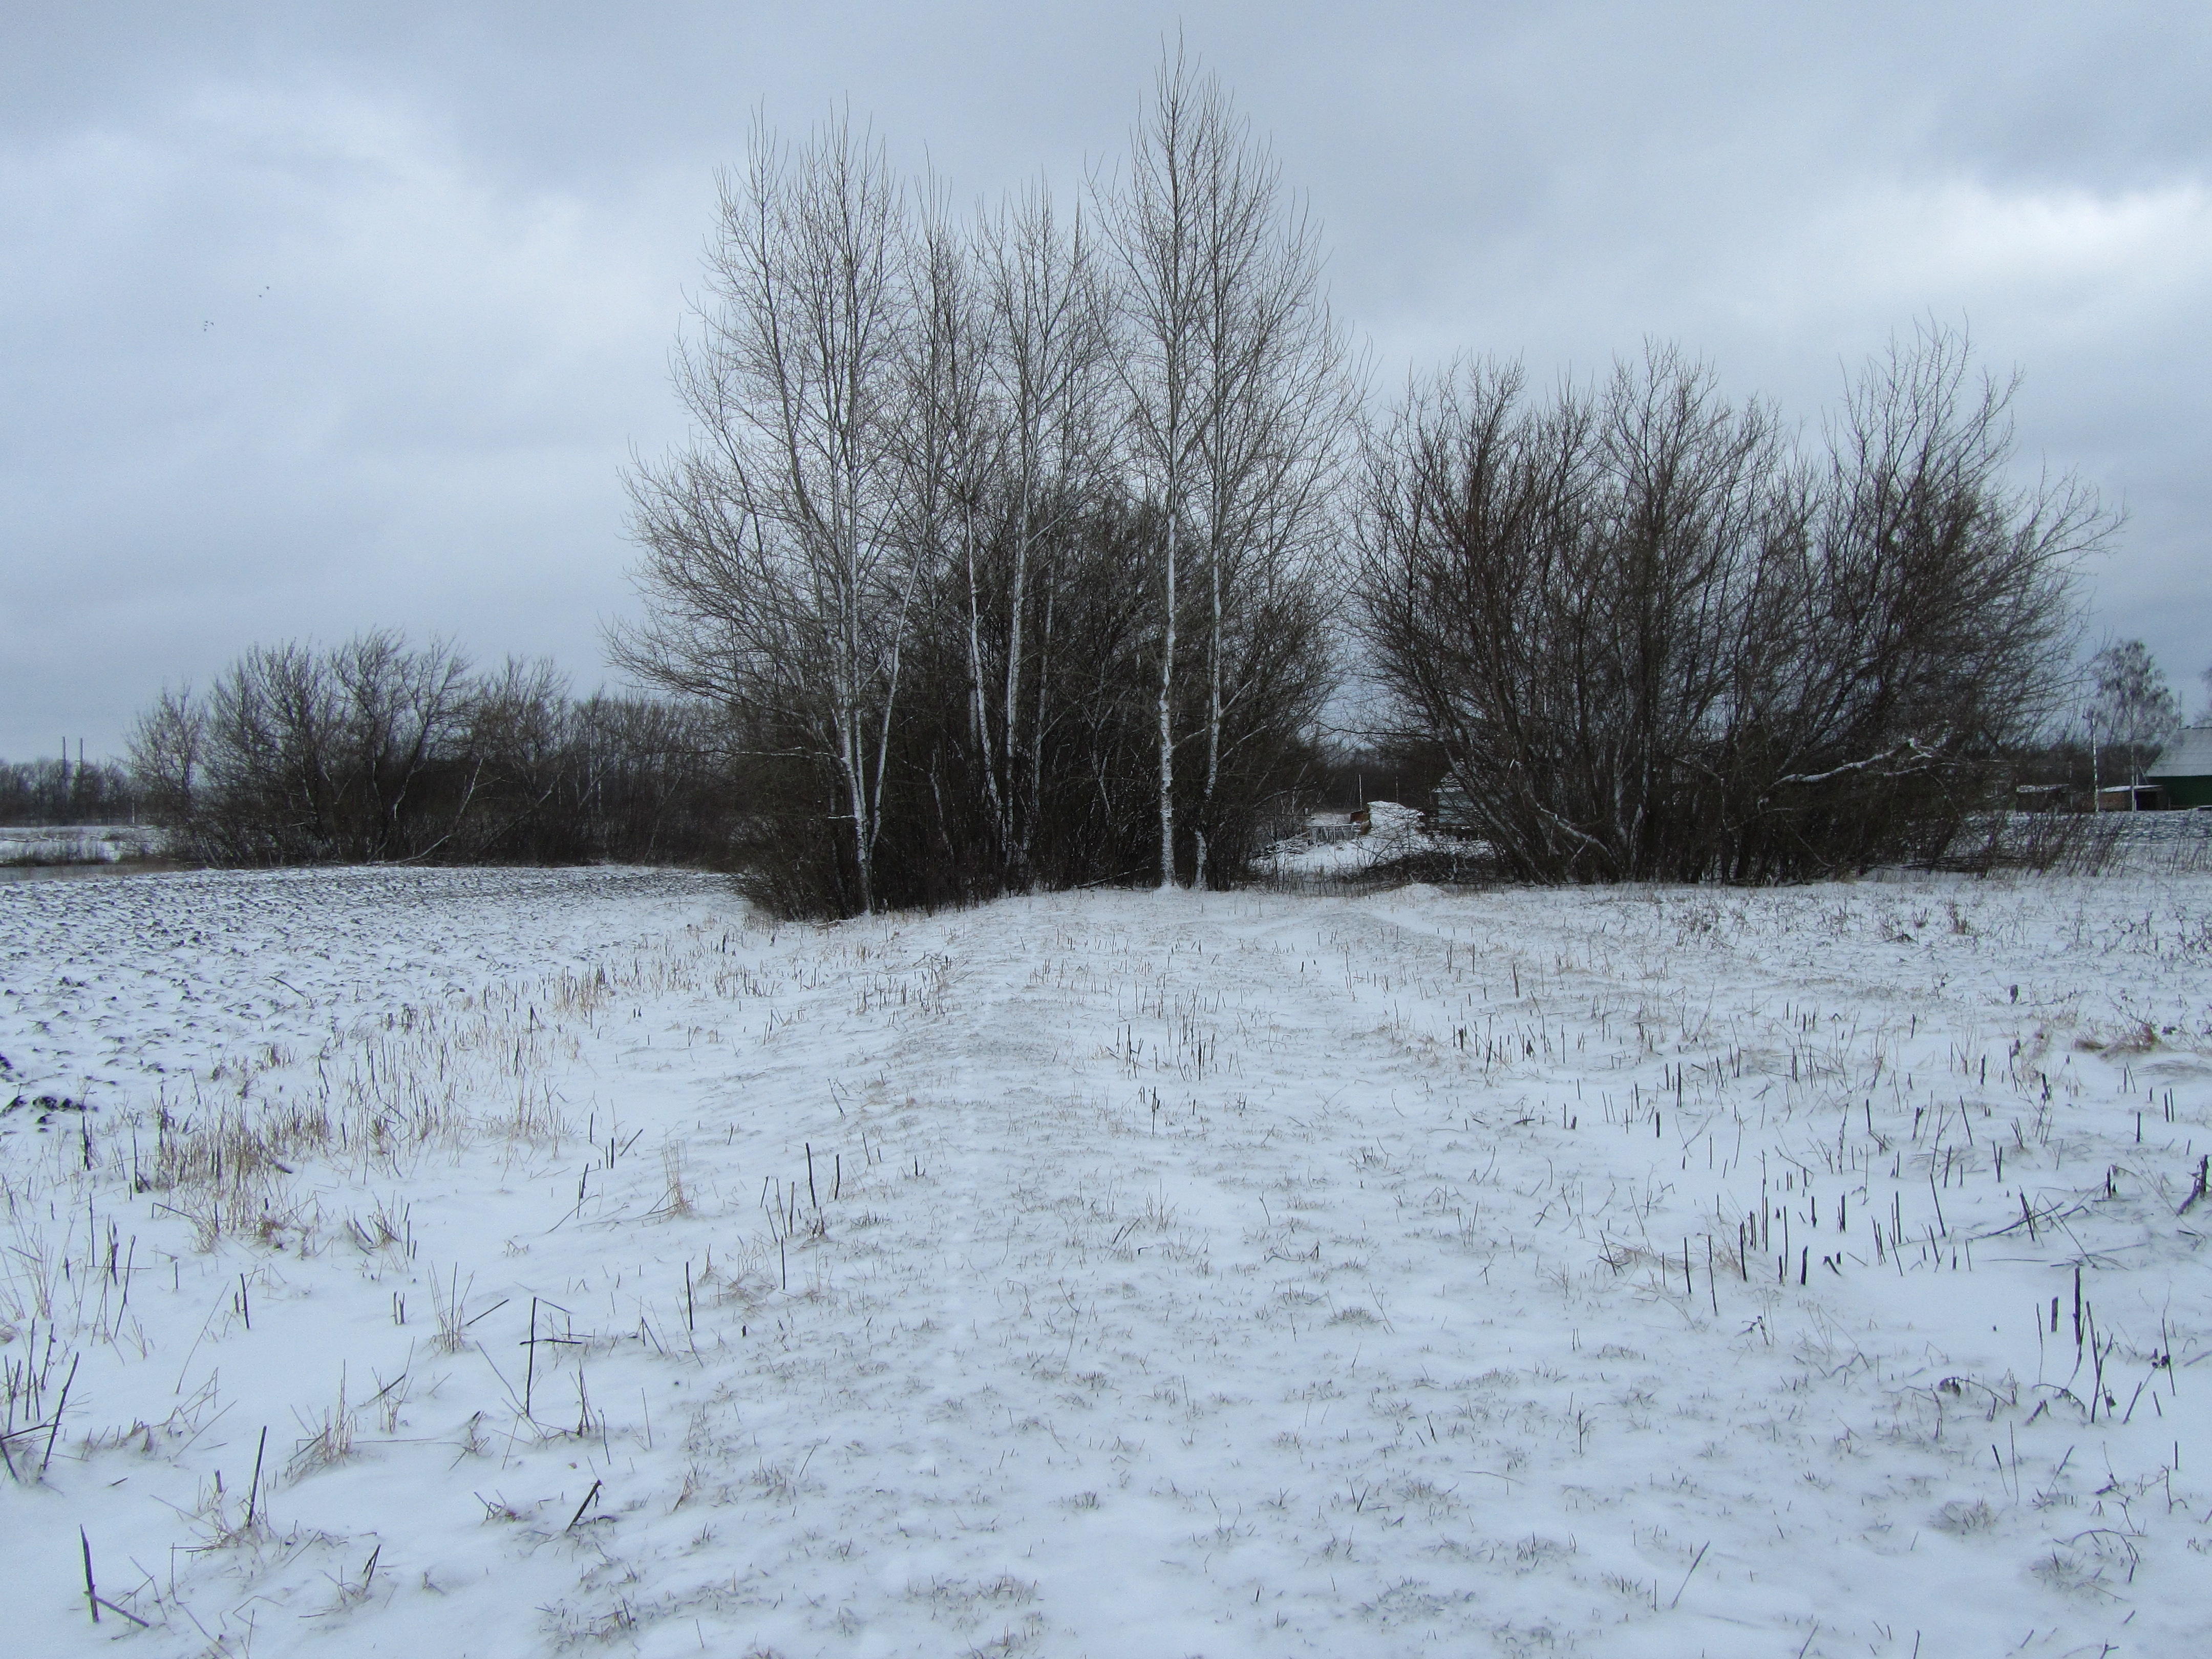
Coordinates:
<point>445,1262</point>
<point>31,846</point>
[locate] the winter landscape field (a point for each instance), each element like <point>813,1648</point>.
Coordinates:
<point>476,1262</point>
<point>24,847</point>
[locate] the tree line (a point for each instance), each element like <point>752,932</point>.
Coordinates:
<point>1658,636</point>
<point>49,791</point>
<point>1041,545</point>
<point>1003,539</point>
<point>376,752</point>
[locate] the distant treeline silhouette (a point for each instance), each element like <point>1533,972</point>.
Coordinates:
<point>377,751</point>
<point>47,792</point>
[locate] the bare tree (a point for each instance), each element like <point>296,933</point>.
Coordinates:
<point>918,537</point>
<point>165,745</point>
<point>1048,314</point>
<point>1278,403</point>
<point>1656,640</point>
<point>2132,706</point>
<point>297,754</point>
<point>373,750</point>
<point>271,760</point>
<point>772,564</point>
<point>1233,375</point>
<point>401,711</point>
<point>953,454</point>
<point>1157,230</point>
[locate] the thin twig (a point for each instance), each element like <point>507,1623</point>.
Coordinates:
<point>60,1405</point>
<point>581,1507</point>
<point>1687,1576</point>
<point>253,1490</point>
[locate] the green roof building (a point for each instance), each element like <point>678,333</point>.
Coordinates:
<point>2183,768</point>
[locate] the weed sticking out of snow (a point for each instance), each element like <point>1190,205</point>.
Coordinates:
<point>490,1261</point>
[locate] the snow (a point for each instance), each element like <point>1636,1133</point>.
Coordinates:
<point>93,843</point>
<point>1393,832</point>
<point>1236,1274</point>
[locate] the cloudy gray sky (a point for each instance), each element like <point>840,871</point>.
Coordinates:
<point>317,317</point>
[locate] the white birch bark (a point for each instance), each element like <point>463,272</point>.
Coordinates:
<point>793,382</point>
<point>1239,397</point>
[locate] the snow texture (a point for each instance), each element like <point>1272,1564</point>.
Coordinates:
<point>500,1263</point>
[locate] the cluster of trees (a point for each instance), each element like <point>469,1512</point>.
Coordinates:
<point>1000,543</point>
<point>375,751</point>
<point>1656,635</point>
<point>55,792</point>
<point>1026,547</point>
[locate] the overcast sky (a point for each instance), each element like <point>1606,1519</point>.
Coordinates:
<point>317,318</point>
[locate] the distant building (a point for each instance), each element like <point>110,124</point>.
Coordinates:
<point>2132,798</point>
<point>2184,769</point>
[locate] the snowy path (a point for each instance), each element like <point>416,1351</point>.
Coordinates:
<point>1173,1276</point>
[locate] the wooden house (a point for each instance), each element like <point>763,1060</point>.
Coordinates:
<point>2182,769</point>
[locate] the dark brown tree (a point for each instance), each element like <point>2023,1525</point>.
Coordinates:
<point>1657,639</point>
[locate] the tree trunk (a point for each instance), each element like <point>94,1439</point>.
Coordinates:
<point>1167,707</point>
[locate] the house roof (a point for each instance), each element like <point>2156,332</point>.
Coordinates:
<point>2189,756</point>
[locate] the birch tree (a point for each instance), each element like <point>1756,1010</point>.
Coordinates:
<point>954,451</point>
<point>1234,381</point>
<point>1161,310</point>
<point>1047,316</point>
<point>773,565</point>
<point>1278,403</point>
<point>2132,705</point>
<point>948,480</point>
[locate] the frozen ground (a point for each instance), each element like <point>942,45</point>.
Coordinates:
<point>1394,832</point>
<point>34,845</point>
<point>1625,1273</point>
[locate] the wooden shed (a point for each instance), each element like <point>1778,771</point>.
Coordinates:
<point>2183,768</point>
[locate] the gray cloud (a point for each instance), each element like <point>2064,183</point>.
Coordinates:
<point>320,317</point>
